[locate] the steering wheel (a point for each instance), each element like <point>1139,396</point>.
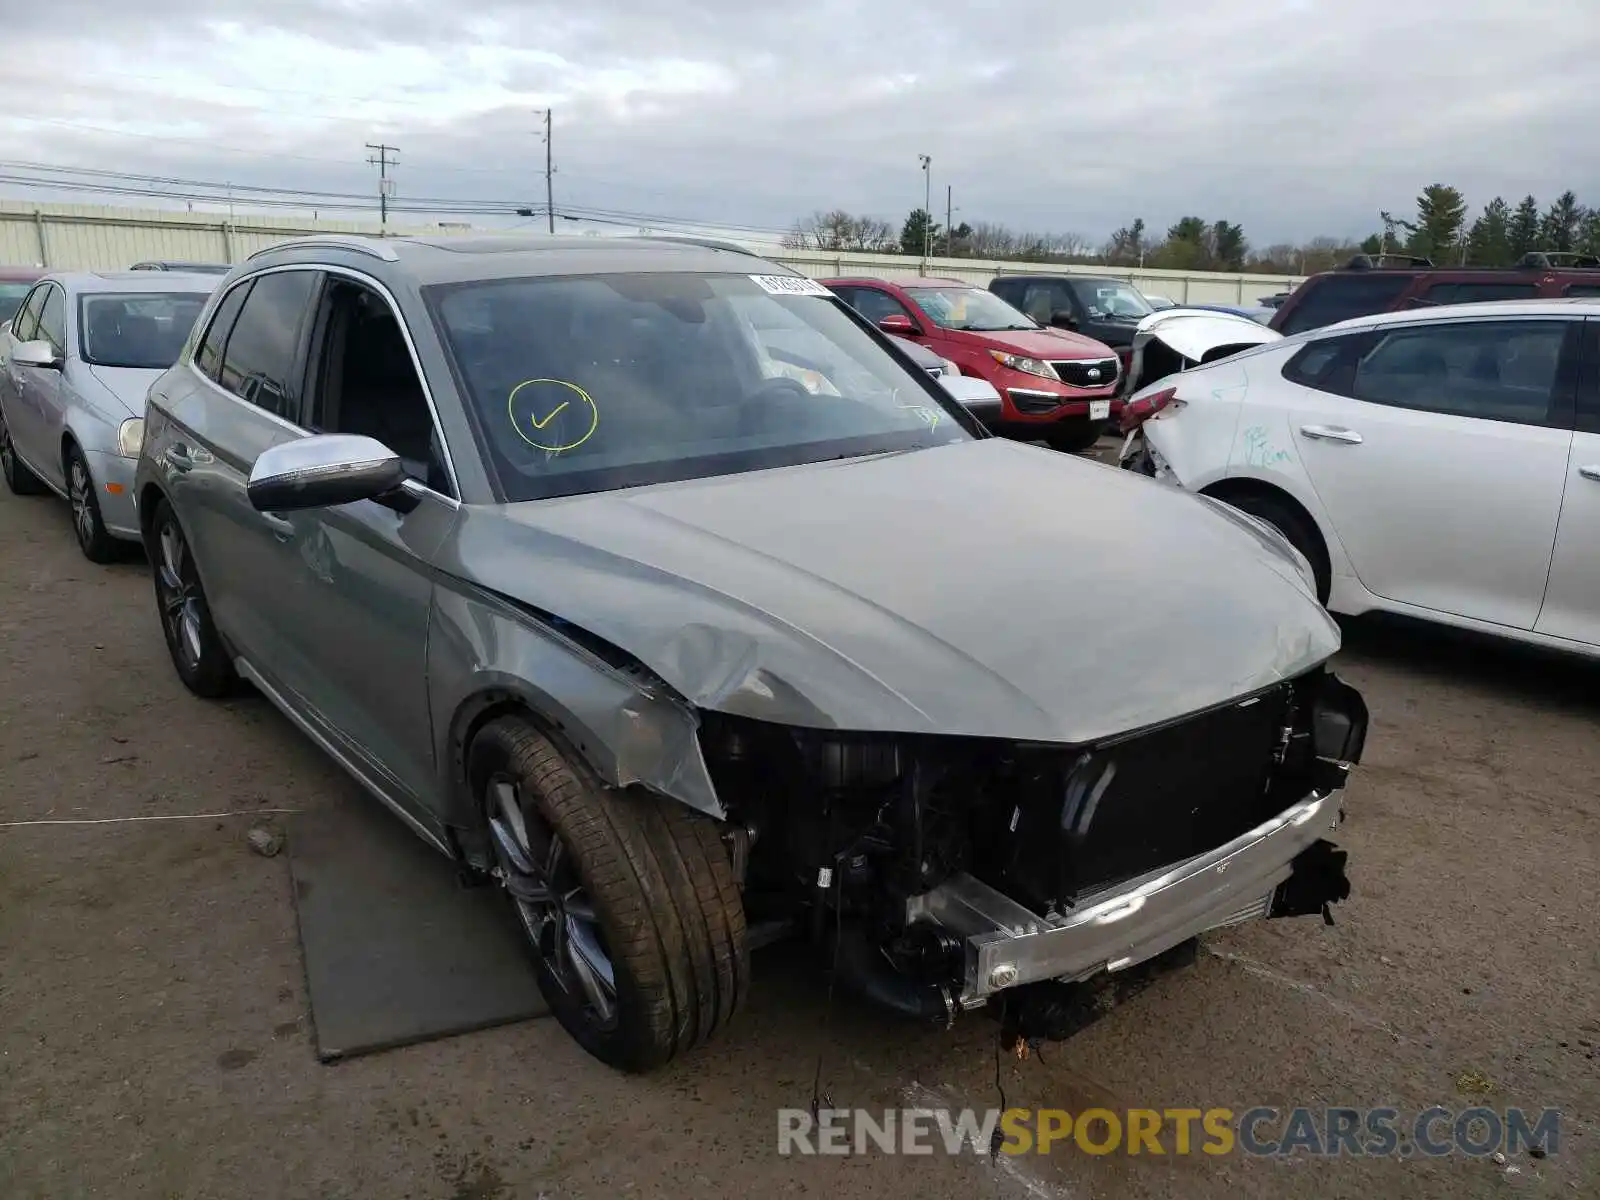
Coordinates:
<point>762,399</point>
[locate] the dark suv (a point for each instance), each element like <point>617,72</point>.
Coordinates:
<point>1368,284</point>
<point>1101,307</point>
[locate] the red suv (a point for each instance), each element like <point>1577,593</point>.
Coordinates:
<point>1054,385</point>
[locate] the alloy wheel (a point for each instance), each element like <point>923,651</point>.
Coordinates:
<point>179,594</point>
<point>79,493</point>
<point>8,456</point>
<point>556,914</point>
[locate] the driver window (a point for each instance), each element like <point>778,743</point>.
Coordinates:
<point>1041,300</point>
<point>363,381</point>
<point>875,305</point>
<point>26,324</point>
<point>53,320</point>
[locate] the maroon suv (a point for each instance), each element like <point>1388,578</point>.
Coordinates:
<point>14,285</point>
<point>1053,384</point>
<point>1384,283</point>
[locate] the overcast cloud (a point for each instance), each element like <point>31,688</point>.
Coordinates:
<point>1293,117</point>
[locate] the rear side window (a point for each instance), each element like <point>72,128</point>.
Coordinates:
<point>1491,370</point>
<point>1318,364</point>
<point>258,364</point>
<point>208,358</point>
<point>1335,298</point>
<point>1478,293</point>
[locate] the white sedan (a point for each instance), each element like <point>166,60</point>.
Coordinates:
<point>1440,463</point>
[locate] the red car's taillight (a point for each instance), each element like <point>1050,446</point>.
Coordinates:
<point>1136,412</point>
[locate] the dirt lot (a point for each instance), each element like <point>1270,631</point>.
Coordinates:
<point>153,1024</point>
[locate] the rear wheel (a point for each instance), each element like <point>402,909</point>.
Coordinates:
<point>19,479</point>
<point>628,901</point>
<point>1296,528</point>
<point>198,653</point>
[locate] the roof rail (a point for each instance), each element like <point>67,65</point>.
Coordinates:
<point>687,240</point>
<point>1366,262</point>
<point>1557,258</point>
<point>340,241</point>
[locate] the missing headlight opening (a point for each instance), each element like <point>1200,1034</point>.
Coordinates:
<point>939,872</point>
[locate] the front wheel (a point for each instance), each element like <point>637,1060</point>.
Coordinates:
<point>97,544</point>
<point>627,900</point>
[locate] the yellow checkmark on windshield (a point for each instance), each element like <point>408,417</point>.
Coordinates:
<point>525,401</point>
<point>538,424</point>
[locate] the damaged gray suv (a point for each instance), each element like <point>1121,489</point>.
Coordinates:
<point>649,582</point>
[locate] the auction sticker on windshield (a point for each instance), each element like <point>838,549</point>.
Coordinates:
<point>790,285</point>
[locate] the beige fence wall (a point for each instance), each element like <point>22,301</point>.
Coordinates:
<point>98,237</point>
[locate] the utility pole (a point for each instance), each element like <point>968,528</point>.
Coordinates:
<point>383,162</point>
<point>927,208</point>
<point>949,215</point>
<point>549,172</point>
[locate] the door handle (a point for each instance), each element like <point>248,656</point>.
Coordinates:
<point>1590,473</point>
<point>282,529</point>
<point>1331,433</point>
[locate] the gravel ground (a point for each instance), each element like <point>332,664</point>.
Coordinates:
<point>153,1023</point>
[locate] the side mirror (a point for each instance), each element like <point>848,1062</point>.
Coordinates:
<point>899,324</point>
<point>1062,318</point>
<point>977,396</point>
<point>38,353</point>
<point>322,471</point>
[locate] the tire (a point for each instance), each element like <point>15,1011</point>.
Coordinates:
<point>198,653</point>
<point>1301,534</point>
<point>97,545</point>
<point>644,881</point>
<point>1073,438</point>
<point>20,480</point>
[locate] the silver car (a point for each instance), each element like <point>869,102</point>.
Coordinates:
<point>75,363</point>
<point>646,580</point>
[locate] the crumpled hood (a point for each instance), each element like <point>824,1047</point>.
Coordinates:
<point>1040,343</point>
<point>1195,332</point>
<point>127,385</point>
<point>984,588</point>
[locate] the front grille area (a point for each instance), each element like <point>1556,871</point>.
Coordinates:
<point>1087,372</point>
<point>1131,807</point>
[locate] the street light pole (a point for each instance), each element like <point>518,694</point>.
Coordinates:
<point>927,208</point>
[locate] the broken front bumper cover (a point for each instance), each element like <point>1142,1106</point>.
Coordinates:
<point>1006,945</point>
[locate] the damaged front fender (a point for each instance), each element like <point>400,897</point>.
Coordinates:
<point>487,653</point>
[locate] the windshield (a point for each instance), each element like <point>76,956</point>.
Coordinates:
<point>136,329</point>
<point>1120,301</point>
<point>590,383</point>
<point>972,309</point>
<point>11,297</point>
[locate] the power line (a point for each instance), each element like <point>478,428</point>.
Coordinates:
<point>31,175</point>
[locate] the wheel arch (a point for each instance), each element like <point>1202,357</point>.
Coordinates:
<point>1238,487</point>
<point>625,737</point>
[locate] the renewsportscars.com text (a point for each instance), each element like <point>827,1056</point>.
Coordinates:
<point>1260,1131</point>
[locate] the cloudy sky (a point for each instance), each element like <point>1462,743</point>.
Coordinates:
<point>1294,117</point>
